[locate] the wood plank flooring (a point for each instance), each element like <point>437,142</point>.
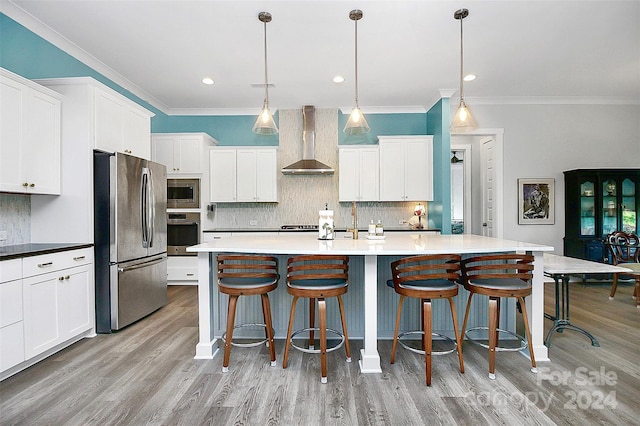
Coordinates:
<point>146,374</point>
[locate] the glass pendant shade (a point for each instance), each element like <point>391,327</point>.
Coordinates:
<point>463,121</point>
<point>265,124</point>
<point>357,124</point>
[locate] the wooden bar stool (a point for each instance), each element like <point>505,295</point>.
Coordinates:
<point>497,276</point>
<point>247,275</point>
<point>427,277</point>
<point>317,277</point>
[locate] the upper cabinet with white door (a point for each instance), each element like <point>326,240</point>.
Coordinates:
<point>406,168</point>
<point>113,122</point>
<point>243,174</point>
<point>182,153</point>
<point>29,136</point>
<point>359,174</point>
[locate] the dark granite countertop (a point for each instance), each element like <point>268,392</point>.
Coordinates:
<point>34,249</point>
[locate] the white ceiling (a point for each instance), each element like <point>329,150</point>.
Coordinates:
<point>546,51</point>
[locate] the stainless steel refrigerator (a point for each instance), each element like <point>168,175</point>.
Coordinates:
<point>130,230</point>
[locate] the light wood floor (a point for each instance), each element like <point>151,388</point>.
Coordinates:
<point>146,374</point>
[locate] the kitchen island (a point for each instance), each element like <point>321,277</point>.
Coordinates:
<point>372,252</point>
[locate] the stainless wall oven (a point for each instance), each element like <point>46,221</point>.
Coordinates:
<point>183,193</point>
<point>183,230</point>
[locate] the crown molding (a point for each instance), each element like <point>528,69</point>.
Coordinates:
<point>552,100</point>
<point>38,27</point>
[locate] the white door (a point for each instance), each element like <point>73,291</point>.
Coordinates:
<point>488,173</point>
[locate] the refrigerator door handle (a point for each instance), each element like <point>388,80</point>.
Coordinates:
<point>141,265</point>
<point>151,206</point>
<point>144,207</point>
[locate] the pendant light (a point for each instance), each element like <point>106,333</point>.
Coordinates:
<point>357,124</point>
<point>265,125</point>
<point>463,121</point>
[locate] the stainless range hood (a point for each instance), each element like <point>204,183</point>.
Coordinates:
<point>308,165</point>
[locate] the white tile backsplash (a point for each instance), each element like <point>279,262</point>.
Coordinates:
<point>15,218</point>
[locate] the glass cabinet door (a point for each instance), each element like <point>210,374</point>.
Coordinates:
<point>587,209</point>
<point>609,206</point>
<point>628,206</point>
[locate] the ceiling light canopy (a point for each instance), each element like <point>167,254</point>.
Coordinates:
<point>208,81</point>
<point>463,121</point>
<point>265,125</point>
<point>357,124</point>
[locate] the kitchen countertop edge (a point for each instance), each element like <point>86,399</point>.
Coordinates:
<point>34,249</point>
<point>403,229</point>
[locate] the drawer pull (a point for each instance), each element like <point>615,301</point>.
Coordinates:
<point>42,265</point>
<point>78,257</point>
<point>190,275</point>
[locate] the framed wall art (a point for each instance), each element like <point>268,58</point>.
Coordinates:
<point>536,201</point>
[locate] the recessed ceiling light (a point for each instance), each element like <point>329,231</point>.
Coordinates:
<point>207,80</point>
<point>338,79</point>
<point>469,77</point>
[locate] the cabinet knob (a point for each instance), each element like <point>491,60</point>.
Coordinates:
<point>67,277</point>
<point>60,278</point>
<point>25,184</point>
<point>32,185</point>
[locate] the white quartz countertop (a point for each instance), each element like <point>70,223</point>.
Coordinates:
<point>562,265</point>
<point>393,244</point>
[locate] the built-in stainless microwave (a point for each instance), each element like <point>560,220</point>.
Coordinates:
<point>183,193</point>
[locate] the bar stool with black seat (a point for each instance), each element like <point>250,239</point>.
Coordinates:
<point>427,277</point>
<point>247,275</point>
<point>498,276</point>
<point>317,277</point>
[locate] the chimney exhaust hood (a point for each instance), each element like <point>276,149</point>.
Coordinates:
<point>308,165</point>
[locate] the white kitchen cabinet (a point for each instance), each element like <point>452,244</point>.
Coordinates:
<point>243,175</point>
<point>29,136</point>
<point>11,314</point>
<point>406,168</point>
<point>121,125</point>
<point>182,153</point>
<point>182,270</point>
<point>46,303</point>
<point>58,298</point>
<point>359,173</point>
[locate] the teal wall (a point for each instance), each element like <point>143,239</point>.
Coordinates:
<point>383,125</point>
<point>438,118</point>
<point>226,129</point>
<point>29,55</point>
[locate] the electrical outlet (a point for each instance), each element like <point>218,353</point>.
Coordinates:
<point>253,222</point>
<point>3,235</point>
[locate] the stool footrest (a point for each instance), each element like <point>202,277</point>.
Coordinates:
<point>420,351</point>
<point>523,341</point>
<point>311,349</point>
<point>250,344</point>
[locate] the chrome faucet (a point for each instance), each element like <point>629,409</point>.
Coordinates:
<point>354,213</point>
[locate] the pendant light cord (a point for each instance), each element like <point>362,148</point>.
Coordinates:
<point>266,78</point>
<point>356,61</point>
<point>461,63</point>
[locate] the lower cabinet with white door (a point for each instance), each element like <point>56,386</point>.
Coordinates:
<point>54,294</point>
